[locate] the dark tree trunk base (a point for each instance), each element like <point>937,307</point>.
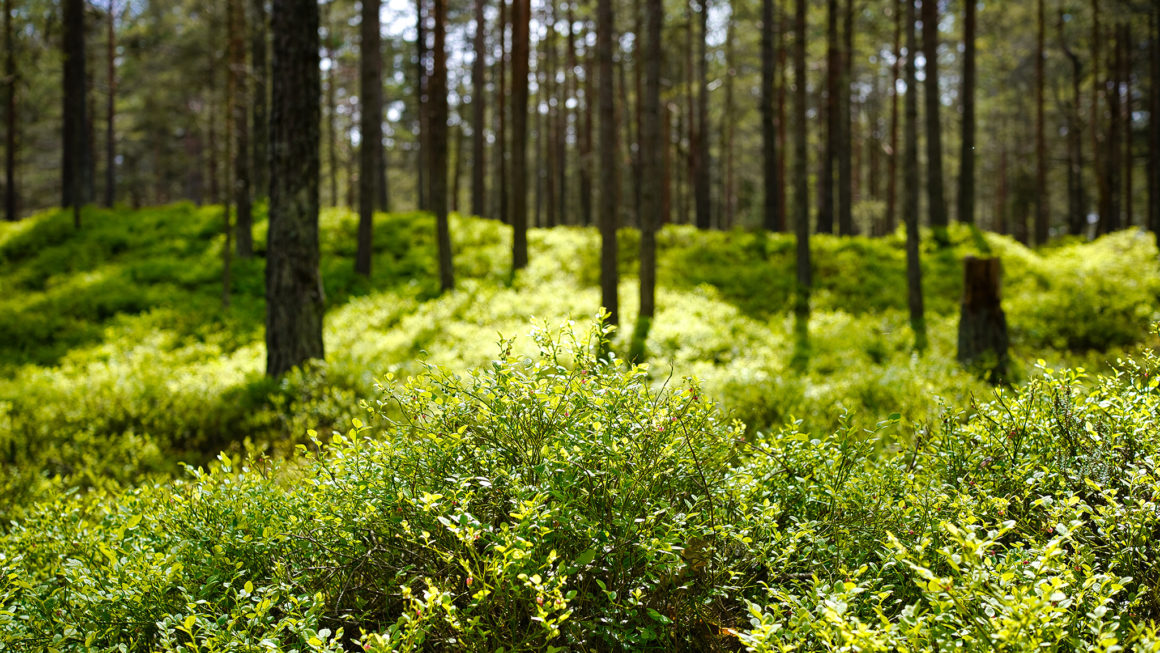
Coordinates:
<point>982,325</point>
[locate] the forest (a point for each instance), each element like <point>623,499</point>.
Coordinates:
<point>501,325</point>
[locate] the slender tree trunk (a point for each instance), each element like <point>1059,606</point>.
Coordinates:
<point>294,296</point>
<point>586,137</point>
<point>845,126</point>
<point>1154,128</point>
<point>233,103</point>
<point>967,153</point>
<point>501,113</point>
<point>728,118</point>
<point>456,167</point>
<point>439,115</point>
<point>910,182</point>
<point>1076,218</point>
<point>561,131</point>
<point>1041,196</point>
<point>690,119</point>
<point>701,179</point>
<point>370,131</point>
<point>770,218</point>
<point>521,16</point>
<point>382,160</point>
<point>632,141</point>
<point>540,144</point>
<point>478,114</point>
<point>936,202</point>
<point>259,100</point>
<point>801,197</point>
<point>1126,76</point>
<point>652,173</point>
<point>1112,160</point>
<point>110,107</point>
<point>891,217</point>
<point>421,90</point>
<point>240,115</point>
<point>1098,82</point>
<point>783,89</point>
<point>609,274</point>
<point>666,166</point>
<point>830,107</point>
<point>10,74</point>
<point>331,111</point>
<point>74,172</point>
<point>547,91</point>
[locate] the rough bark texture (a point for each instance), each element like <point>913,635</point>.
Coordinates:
<point>701,181</point>
<point>439,146</point>
<point>1076,197</point>
<point>370,131</point>
<point>609,275</point>
<point>423,137</point>
<point>244,223</point>
<point>1129,149</point>
<point>771,220</point>
<point>1098,81</point>
<point>521,19</point>
<point>1154,129</point>
<point>982,325</point>
<point>110,105</point>
<point>76,174</point>
<point>1041,196</point>
<point>1110,217</point>
<point>259,99</point>
<point>801,198</point>
<point>652,173</point>
<point>478,114</point>
<point>966,213</point>
<point>10,196</point>
<point>910,183</point>
<point>501,113</point>
<point>936,200</point>
<point>845,125</point>
<point>294,296</point>
<point>830,109</point>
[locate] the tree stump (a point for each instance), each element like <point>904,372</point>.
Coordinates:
<point>982,324</point>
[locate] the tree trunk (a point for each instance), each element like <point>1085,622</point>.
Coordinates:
<point>370,131</point>
<point>501,112</point>
<point>585,144</point>
<point>1154,129</point>
<point>244,224</point>
<point>771,220</point>
<point>521,19</point>
<point>967,153</point>
<point>1126,76</point>
<point>783,87</point>
<point>728,119</point>
<point>259,100</point>
<point>331,112</point>
<point>75,175</point>
<point>233,104</point>
<point>439,115</point>
<point>701,180</point>
<point>801,198</point>
<point>561,131</point>
<point>456,167</point>
<point>609,274</point>
<point>110,107</point>
<point>294,295</point>
<point>651,148</point>
<point>10,74</point>
<point>1076,218</point>
<point>478,115</point>
<point>910,183</point>
<point>1041,196</point>
<point>1111,222</point>
<point>891,218</point>
<point>830,108</point>
<point>936,202</point>
<point>421,98</point>
<point>1098,82</point>
<point>982,325</point>
<point>845,126</point>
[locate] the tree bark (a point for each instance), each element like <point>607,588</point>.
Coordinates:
<point>501,113</point>
<point>1076,200</point>
<point>1129,158</point>
<point>701,180</point>
<point>967,153</point>
<point>259,100</point>
<point>421,99</point>
<point>10,74</point>
<point>801,198</point>
<point>652,172</point>
<point>783,87</point>
<point>1111,221</point>
<point>845,126</point>
<point>1041,197</point>
<point>891,218</point>
<point>294,295</point>
<point>439,115</point>
<point>728,120</point>
<point>1098,81</point>
<point>331,111</point>
<point>585,144</point>
<point>76,176</point>
<point>910,182</point>
<point>110,106</point>
<point>478,114</point>
<point>521,19</point>
<point>936,201</point>
<point>1154,129</point>
<point>771,220</point>
<point>609,274</point>
<point>244,223</point>
<point>830,108</point>
<point>983,337</point>
<point>370,131</point>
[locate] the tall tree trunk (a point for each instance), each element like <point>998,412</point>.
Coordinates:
<point>10,74</point>
<point>1076,218</point>
<point>244,224</point>
<point>563,92</point>
<point>1041,196</point>
<point>652,164</point>
<point>1126,76</point>
<point>548,136</point>
<point>422,98</point>
<point>233,104</point>
<point>215,196</point>
<point>331,110</point>
<point>110,106</point>
<point>521,19</point>
<point>478,114</point>
<point>910,182</point>
<point>770,218</point>
<point>801,198</point>
<point>439,115</point>
<point>936,202</point>
<point>728,118</point>
<point>1112,159</point>
<point>609,274</point>
<point>456,166</point>
<point>259,100</point>
<point>75,175</point>
<point>501,113</point>
<point>830,107</point>
<point>382,185</point>
<point>1098,82</point>
<point>1154,128</point>
<point>370,131</point>
<point>783,89</point>
<point>967,153</point>
<point>845,126</point>
<point>891,218</point>
<point>540,144</point>
<point>294,296</point>
<point>701,147</point>
<point>585,144</point>
<point>690,119</point>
